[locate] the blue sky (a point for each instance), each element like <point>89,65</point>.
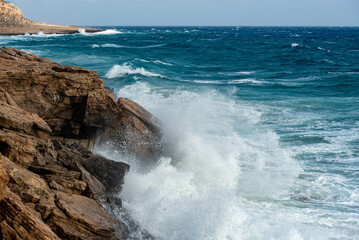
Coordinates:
<point>193,12</point>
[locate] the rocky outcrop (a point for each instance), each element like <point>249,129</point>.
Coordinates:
<point>12,22</point>
<point>50,189</point>
<point>74,103</point>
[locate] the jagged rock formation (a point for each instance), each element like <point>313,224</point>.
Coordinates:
<point>50,189</point>
<point>74,103</point>
<point>12,22</point>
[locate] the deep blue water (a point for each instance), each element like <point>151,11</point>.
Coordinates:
<point>261,125</point>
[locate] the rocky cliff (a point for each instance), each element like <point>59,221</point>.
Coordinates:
<point>51,185</point>
<point>12,22</point>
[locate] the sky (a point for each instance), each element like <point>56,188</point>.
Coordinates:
<point>193,12</point>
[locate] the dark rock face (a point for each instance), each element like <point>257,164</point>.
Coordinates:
<point>74,103</point>
<point>50,189</point>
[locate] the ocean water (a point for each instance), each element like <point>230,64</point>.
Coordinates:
<point>261,126</point>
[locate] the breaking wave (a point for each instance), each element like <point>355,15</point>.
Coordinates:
<point>122,70</point>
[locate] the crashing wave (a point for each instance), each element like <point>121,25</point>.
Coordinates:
<point>124,70</point>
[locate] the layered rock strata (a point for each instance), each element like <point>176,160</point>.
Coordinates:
<point>51,187</point>
<point>12,22</point>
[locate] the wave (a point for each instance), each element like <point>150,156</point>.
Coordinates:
<point>227,82</point>
<point>112,45</point>
<point>295,45</point>
<point>215,159</point>
<point>123,70</point>
<point>239,73</point>
<point>155,61</point>
<point>105,32</point>
<point>163,63</point>
<point>246,80</point>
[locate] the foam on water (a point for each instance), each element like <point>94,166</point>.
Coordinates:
<point>122,70</point>
<point>260,139</point>
<point>105,32</point>
<point>219,167</point>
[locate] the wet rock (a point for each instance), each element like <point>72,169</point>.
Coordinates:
<point>48,188</point>
<point>110,173</point>
<point>140,130</point>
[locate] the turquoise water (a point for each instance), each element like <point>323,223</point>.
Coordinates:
<point>261,126</point>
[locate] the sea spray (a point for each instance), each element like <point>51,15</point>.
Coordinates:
<point>291,112</point>
<point>216,156</point>
<point>122,70</point>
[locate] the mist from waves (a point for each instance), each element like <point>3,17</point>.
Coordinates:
<point>261,126</point>
<point>222,175</point>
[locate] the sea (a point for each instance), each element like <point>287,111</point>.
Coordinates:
<point>260,126</point>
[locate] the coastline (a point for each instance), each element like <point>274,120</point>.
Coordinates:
<point>12,22</point>
<point>51,185</point>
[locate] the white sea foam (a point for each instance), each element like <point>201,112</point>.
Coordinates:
<point>36,52</point>
<point>41,34</point>
<point>295,45</point>
<point>246,80</point>
<point>163,63</point>
<point>112,45</point>
<point>239,73</point>
<point>106,32</point>
<point>125,69</point>
<point>218,161</point>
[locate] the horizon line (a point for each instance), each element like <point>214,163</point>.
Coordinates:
<point>318,26</point>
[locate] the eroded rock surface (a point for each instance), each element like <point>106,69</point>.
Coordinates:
<point>51,187</point>
<point>74,103</point>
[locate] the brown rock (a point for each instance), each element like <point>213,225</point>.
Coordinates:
<point>18,221</point>
<point>84,219</point>
<point>3,178</point>
<point>14,118</point>
<point>25,149</point>
<point>29,186</point>
<point>73,101</point>
<point>110,173</point>
<point>140,131</point>
<point>6,97</point>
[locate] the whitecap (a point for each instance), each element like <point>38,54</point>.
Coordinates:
<point>239,73</point>
<point>295,45</point>
<point>112,45</point>
<point>124,69</point>
<point>209,171</point>
<point>106,32</point>
<point>163,63</point>
<point>246,80</point>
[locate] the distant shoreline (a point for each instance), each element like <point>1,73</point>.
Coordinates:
<point>12,22</point>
